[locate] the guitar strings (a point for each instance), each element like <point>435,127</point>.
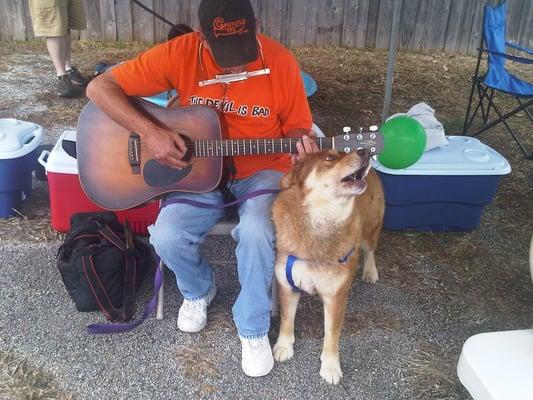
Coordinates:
<point>214,147</point>
<point>245,143</point>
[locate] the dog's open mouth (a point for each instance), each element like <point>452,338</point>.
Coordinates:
<point>358,175</point>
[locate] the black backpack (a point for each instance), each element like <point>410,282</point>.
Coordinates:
<point>103,264</point>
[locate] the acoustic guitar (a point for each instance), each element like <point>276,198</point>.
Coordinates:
<point>117,171</point>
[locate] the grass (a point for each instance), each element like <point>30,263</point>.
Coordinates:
<point>428,369</point>
<point>19,380</point>
<point>30,230</point>
<point>195,362</point>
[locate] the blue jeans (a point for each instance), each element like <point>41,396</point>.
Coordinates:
<point>181,228</point>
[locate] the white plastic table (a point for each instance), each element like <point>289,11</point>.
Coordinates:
<point>498,365</point>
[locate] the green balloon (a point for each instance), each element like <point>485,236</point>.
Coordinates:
<point>405,141</point>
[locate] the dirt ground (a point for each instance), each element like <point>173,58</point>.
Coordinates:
<point>480,279</point>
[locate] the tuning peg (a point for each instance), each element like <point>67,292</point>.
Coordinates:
<point>346,130</point>
<point>373,128</point>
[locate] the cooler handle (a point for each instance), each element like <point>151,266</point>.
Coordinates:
<point>43,158</point>
<point>35,135</point>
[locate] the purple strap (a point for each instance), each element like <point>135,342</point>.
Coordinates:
<point>223,205</point>
<point>151,306</point>
<point>124,327</point>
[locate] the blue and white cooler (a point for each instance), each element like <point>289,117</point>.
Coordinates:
<point>18,154</point>
<point>445,190</point>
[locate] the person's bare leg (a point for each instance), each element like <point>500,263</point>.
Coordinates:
<point>68,52</point>
<point>73,74</point>
<point>56,49</point>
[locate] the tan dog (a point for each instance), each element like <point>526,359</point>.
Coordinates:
<point>330,206</point>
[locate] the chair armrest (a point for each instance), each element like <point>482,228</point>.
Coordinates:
<point>521,48</point>
<point>517,59</point>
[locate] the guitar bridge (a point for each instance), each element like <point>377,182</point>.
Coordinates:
<point>134,153</point>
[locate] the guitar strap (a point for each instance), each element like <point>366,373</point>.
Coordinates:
<point>228,167</point>
<point>152,12</point>
<point>228,174</point>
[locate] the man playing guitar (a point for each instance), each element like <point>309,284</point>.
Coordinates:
<point>255,85</point>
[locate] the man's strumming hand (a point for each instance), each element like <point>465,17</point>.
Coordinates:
<point>167,147</point>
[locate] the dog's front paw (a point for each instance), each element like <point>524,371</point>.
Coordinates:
<point>370,275</point>
<point>331,372</point>
<point>283,350</point>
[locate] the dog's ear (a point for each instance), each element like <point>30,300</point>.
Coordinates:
<point>291,178</point>
<point>287,180</point>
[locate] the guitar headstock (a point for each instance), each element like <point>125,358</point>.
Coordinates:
<point>371,140</point>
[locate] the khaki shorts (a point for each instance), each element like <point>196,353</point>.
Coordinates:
<point>56,17</point>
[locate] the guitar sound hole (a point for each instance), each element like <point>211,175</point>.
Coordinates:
<point>190,146</point>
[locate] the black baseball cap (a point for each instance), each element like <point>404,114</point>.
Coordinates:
<point>229,28</point>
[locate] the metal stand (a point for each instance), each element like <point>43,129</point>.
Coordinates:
<point>160,295</point>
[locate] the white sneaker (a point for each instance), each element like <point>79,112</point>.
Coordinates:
<point>257,359</point>
<point>192,316</point>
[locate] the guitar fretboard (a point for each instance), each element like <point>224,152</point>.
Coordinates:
<point>245,147</point>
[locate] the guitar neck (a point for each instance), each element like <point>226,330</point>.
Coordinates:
<point>248,147</point>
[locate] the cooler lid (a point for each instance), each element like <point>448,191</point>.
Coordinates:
<point>18,138</point>
<point>462,155</point>
<point>59,160</point>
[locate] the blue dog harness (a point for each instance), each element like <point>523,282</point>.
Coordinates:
<point>290,263</point>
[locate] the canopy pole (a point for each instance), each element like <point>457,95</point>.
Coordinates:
<point>393,49</point>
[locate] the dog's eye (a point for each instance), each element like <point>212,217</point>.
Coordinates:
<point>330,157</point>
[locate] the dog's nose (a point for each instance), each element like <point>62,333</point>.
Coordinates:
<point>363,153</point>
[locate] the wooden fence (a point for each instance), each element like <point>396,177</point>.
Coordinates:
<point>449,25</point>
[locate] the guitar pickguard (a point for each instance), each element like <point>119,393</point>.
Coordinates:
<point>159,175</point>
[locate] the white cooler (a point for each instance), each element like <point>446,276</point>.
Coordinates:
<point>18,154</point>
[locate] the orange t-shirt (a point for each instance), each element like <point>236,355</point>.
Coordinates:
<point>265,106</point>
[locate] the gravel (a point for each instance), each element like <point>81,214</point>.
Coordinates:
<point>38,321</point>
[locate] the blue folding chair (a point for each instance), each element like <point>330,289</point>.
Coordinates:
<point>497,78</point>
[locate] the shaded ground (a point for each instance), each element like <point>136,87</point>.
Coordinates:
<point>402,337</point>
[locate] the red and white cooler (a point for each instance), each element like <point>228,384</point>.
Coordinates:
<point>67,197</point>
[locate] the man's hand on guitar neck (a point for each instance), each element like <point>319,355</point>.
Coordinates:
<point>306,145</point>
